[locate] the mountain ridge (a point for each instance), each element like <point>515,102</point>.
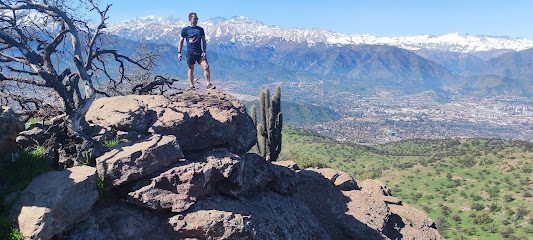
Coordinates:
<point>246,30</point>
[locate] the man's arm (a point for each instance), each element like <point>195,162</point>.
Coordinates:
<point>204,47</point>
<point>180,46</point>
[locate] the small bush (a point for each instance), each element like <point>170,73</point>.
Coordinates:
<point>490,228</point>
<point>478,206</point>
<point>508,198</point>
<point>521,212</point>
<point>506,233</point>
<point>8,231</point>
<point>494,207</point>
<point>32,121</point>
<point>482,219</point>
<point>110,143</point>
<point>456,218</point>
<point>30,164</point>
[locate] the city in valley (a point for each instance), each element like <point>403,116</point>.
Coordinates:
<point>386,116</point>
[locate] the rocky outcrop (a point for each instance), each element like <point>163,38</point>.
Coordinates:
<point>199,119</point>
<point>405,220</point>
<point>10,127</point>
<point>182,173</point>
<point>213,172</point>
<point>55,201</point>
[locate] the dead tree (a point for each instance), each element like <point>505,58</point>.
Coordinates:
<point>49,45</point>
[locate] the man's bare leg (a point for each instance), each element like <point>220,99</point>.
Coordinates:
<point>190,75</point>
<point>207,72</point>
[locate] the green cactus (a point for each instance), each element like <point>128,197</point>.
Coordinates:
<point>271,124</point>
<point>253,112</point>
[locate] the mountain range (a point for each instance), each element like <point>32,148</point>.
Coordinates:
<point>411,64</point>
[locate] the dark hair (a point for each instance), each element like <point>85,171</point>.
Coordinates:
<point>190,15</point>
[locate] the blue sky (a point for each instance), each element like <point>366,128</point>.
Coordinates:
<point>512,18</point>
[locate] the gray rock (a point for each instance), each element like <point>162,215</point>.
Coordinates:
<point>10,127</point>
<point>375,187</point>
<point>344,214</point>
<point>131,161</point>
<point>35,135</point>
<point>125,113</point>
<point>340,179</point>
<point>11,198</point>
<point>101,134</point>
<point>264,215</point>
<point>414,223</point>
<point>118,220</point>
<point>55,201</point>
<point>178,188</point>
<point>284,179</point>
<point>369,213</point>
<point>214,119</point>
<point>288,164</point>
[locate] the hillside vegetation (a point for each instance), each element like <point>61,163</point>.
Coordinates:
<point>301,114</point>
<point>472,188</point>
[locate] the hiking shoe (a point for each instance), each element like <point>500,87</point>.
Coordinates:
<point>191,88</point>
<point>211,86</point>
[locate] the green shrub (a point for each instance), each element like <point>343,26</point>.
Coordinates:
<point>478,206</point>
<point>482,219</point>
<point>456,218</point>
<point>15,234</point>
<point>508,198</point>
<point>8,231</point>
<point>110,143</point>
<point>506,233</point>
<point>100,186</point>
<point>32,121</point>
<point>494,207</point>
<point>30,164</point>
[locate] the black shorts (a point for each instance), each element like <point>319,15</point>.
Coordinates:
<point>193,57</point>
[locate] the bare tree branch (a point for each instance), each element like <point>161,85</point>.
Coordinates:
<point>149,87</point>
<point>23,80</point>
<point>12,69</point>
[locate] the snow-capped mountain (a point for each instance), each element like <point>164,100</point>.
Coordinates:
<point>247,31</point>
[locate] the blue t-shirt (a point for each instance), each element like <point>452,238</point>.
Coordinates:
<point>194,36</point>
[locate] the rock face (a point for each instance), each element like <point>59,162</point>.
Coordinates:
<point>132,161</point>
<point>10,127</point>
<point>55,201</point>
<point>199,119</point>
<point>266,215</point>
<point>182,173</point>
<point>60,145</point>
<point>119,220</point>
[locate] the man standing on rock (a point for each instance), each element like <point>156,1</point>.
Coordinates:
<point>195,53</point>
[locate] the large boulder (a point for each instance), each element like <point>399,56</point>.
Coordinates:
<point>217,171</point>
<point>405,221</point>
<point>134,160</point>
<point>179,187</point>
<point>55,201</point>
<point>10,127</point>
<point>369,211</point>
<point>199,119</point>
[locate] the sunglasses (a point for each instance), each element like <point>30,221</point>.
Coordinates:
<point>195,18</point>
